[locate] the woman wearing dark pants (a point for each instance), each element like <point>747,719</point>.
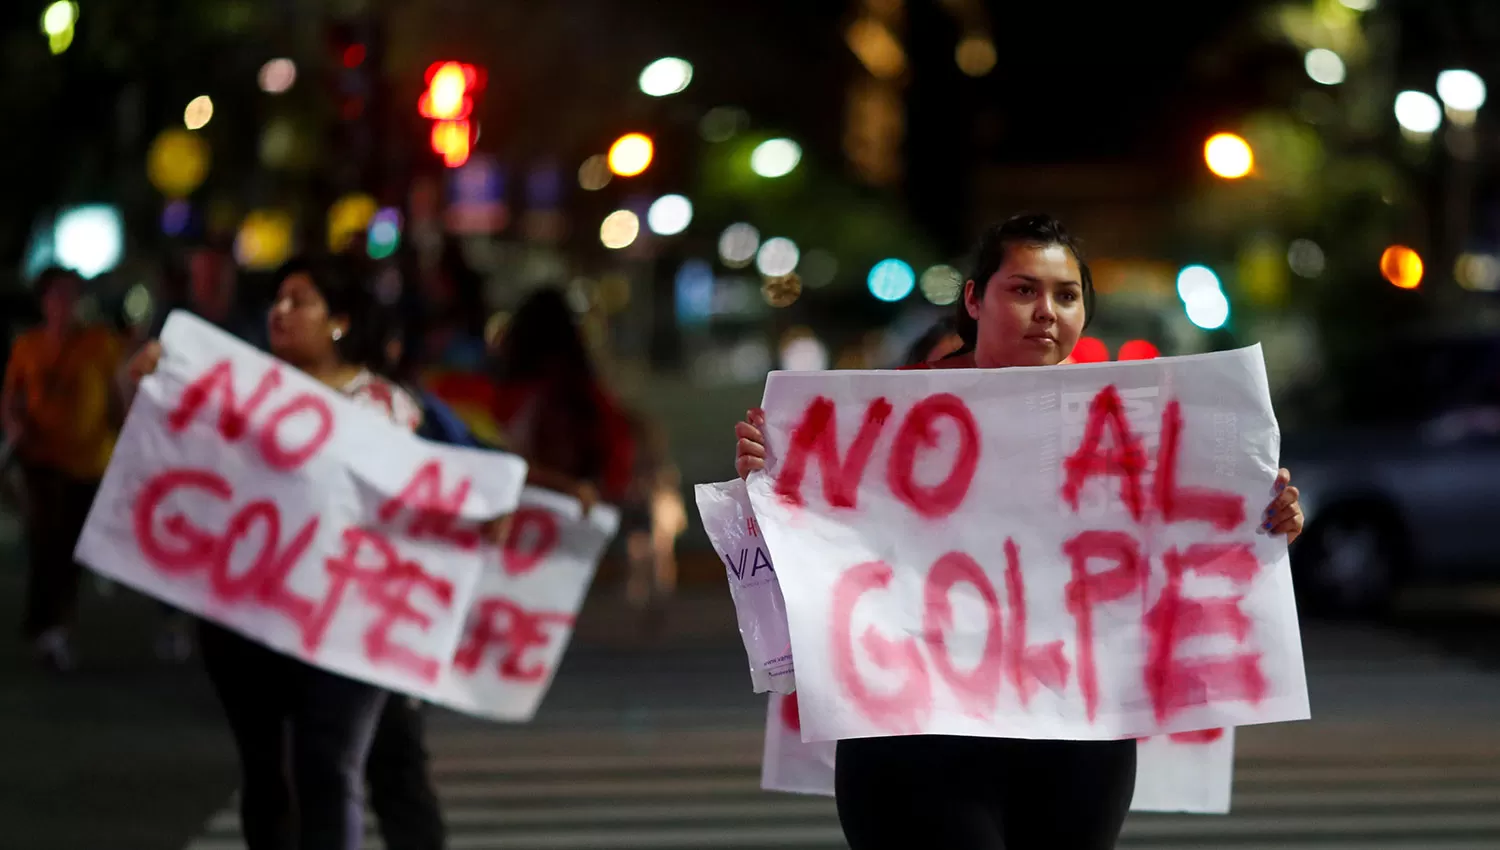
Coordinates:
<point>1025,305</point>
<point>401,793</point>
<point>303,733</point>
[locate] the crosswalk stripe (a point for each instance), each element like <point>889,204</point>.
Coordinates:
<point>619,789</point>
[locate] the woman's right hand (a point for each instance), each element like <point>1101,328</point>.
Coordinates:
<point>750,449</point>
<point>143,363</point>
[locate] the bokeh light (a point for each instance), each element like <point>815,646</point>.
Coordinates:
<point>349,217</point>
<point>738,245</point>
<point>1228,156</point>
<point>89,239</point>
<point>941,284</point>
<point>1196,281</point>
<point>1417,112</point>
<point>669,215</point>
<point>775,157</point>
<point>1401,266</point>
<point>177,162</point>
<point>1324,66</point>
<point>199,111</point>
<point>631,154</point>
<point>891,280</point>
<point>1358,5</point>
<point>1209,310</point>
<point>1461,90</point>
<point>1477,272</point>
<point>975,55</point>
<point>619,230</point>
<point>137,305</point>
<point>175,217</point>
<point>1305,258</point>
<point>59,18</point>
<point>384,236</point>
<point>264,240</point>
<point>1138,349</point>
<point>804,353</point>
<point>666,76</point>
<point>1089,349</point>
<point>277,76</point>
<point>777,257</point>
<point>594,174</point>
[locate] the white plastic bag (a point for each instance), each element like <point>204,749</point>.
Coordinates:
<point>735,535</point>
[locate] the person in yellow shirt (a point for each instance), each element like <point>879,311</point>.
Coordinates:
<point>59,414</point>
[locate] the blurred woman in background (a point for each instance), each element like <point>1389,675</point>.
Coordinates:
<point>303,733</point>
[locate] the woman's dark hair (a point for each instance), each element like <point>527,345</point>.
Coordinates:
<point>51,277</point>
<point>341,283</point>
<point>922,348</point>
<point>1024,229</point>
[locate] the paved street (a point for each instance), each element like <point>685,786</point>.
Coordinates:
<point>658,746</point>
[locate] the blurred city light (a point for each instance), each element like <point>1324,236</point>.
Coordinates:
<point>59,17</point>
<point>447,97</point>
<point>1461,90</point>
<point>1089,349</point>
<point>1228,156</point>
<point>877,48</point>
<point>781,290</point>
<point>89,239</point>
<point>451,140</point>
<point>975,55</point>
<point>1401,266</point>
<point>1477,272</point>
<point>666,76</point>
<point>818,268</point>
<point>891,280</point>
<point>264,240</point>
<point>58,25</point>
<point>1138,349</point>
<point>1196,281</point>
<point>594,174</point>
<point>1417,112</point>
<point>177,162</point>
<point>277,76</point>
<point>722,123</point>
<point>175,217</point>
<point>199,111</point>
<point>775,157</point>
<point>354,56</point>
<point>137,306</point>
<point>804,353</point>
<point>669,215</point>
<point>777,257</point>
<point>738,245</point>
<point>385,234</point>
<point>695,291</point>
<point>619,230</point>
<point>941,284</point>
<point>1358,5</point>
<point>1305,258</point>
<point>1324,66</point>
<point>349,217</point>
<point>631,154</point>
<point>1209,311</point>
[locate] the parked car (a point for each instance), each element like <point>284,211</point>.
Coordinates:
<point>1402,487</point>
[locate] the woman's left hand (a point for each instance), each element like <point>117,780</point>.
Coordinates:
<point>1284,514</point>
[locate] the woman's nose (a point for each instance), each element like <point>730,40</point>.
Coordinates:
<point>1045,311</point>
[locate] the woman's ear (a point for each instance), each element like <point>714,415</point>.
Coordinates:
<point>971,300</point>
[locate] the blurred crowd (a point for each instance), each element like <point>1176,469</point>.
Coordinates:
<point>528,387</point>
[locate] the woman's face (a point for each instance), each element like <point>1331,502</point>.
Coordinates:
<point>299,327</point>
<point>1031,313</point>
<point>60,303</point>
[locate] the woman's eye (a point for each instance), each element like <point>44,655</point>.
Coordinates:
<point>1025,289</point>
<point>1069,296</point>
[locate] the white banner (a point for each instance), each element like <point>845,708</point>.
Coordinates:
<point>247,493</point>
<point>525,608</point>
<point>1066,552</point>
<point>1189,773</point>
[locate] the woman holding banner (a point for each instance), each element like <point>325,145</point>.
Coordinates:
<point>303,733</point>
<point>1026,304</point>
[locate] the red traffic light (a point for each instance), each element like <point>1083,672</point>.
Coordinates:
<point>449,85</point>
<point>450,139</point>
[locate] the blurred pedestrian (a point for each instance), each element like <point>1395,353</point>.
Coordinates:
<point>940,341</point>
<point>1026,304</point>
<point>304,733</point>
<point>652,517</point>
<point>57,409</point>
<point>553,409</point>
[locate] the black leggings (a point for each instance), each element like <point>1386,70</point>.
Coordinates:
<point>959,793</point>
